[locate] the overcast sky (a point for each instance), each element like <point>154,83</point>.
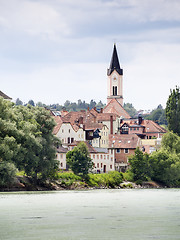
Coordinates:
<point>54,50</point>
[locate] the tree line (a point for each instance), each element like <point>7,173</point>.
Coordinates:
<point>162,165</point>
<point>158,114</point>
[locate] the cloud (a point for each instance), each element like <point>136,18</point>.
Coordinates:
<point>51,51</point>
<point>33,18</point>
<point>59,83</point>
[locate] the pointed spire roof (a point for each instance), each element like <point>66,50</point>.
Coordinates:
<point>114,65</point>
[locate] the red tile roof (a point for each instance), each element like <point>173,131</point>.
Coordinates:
<point>115,107</point>
<point>74,117</point>
<point>149,125</point>
<point>106,116</point>
<point>58,124</point>
<point>124,141</point>
<point>90,148</point>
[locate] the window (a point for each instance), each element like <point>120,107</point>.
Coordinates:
<point>110,166</point>
<point>134,128</point>
<point>101,157</point>
<point>62,130</point>
<point>101,165</point>
<point>111,151</point>
<point>126,150</point>
<point>131,129</point>
<point>97,156</point>
<point>108,157</point>
<point>68,139</point>
<point>111,159</point>
<point>94,156</point>
<point>138,129</point>
<point>72,140</point>
<point>69,130</point>
<point>104,156</point>
<point>61,164</point>
<point>114,90</point>
<point>61,155</point>
<point>118,150</point>
<point>97,165</point>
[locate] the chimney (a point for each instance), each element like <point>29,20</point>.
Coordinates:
<point>139,119</point>
<point>81,120</point>
<point>111,124</point>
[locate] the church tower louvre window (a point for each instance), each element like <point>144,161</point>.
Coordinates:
<point>115,79</point>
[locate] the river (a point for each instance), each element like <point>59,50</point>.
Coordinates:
<point>94,214</point>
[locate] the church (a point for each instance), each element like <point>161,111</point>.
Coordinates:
<point>110,134</point>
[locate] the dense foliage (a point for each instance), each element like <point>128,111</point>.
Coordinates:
<point>158,115</point>
<point>140,165</point>
<point>162,166</point>
<point>26,139</point>
<point>79,161</point>
<point>69,106</point>
<point>105,180</point>
<point>173,111</point>
<point>7,174</point>
<point>111,179</point>
<point>130,109</point>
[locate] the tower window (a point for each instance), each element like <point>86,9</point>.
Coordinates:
<point>114,90</point>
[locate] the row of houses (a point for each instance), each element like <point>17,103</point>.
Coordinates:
<point>109,138</point>
<point>110,134</point>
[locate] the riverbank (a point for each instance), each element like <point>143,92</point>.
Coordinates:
<point>23,183</point>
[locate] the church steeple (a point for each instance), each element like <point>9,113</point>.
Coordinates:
<point>115,79</point>
<point>114,65</point>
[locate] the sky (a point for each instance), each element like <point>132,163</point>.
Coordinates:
<point>57,50</point>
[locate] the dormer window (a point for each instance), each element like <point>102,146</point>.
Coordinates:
<point>125,129</point>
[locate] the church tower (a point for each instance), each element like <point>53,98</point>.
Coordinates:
<point>115,79</point>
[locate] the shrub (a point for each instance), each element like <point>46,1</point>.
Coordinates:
<point>111,179</point>
<point>67,176</point>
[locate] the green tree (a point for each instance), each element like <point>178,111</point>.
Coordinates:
<point>130,109</point>
<point>166,162</point>
<point>166,167</point>
<point>7,174</point>
<point>92,104</point>
<point>19,102</point>
<point>79,161</point>
<point>158,115</point>
<point>31,102</point>
<point>139,165</point>
<point>173,111</point>
<point>26,139</point>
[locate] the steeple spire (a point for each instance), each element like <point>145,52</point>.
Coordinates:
<point>114,65</point>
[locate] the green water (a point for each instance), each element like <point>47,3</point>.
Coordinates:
<point>97,214</point>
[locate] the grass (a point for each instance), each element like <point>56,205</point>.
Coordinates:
<point>111,179</point>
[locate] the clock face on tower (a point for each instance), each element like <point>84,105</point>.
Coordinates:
<point>114,78</point>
